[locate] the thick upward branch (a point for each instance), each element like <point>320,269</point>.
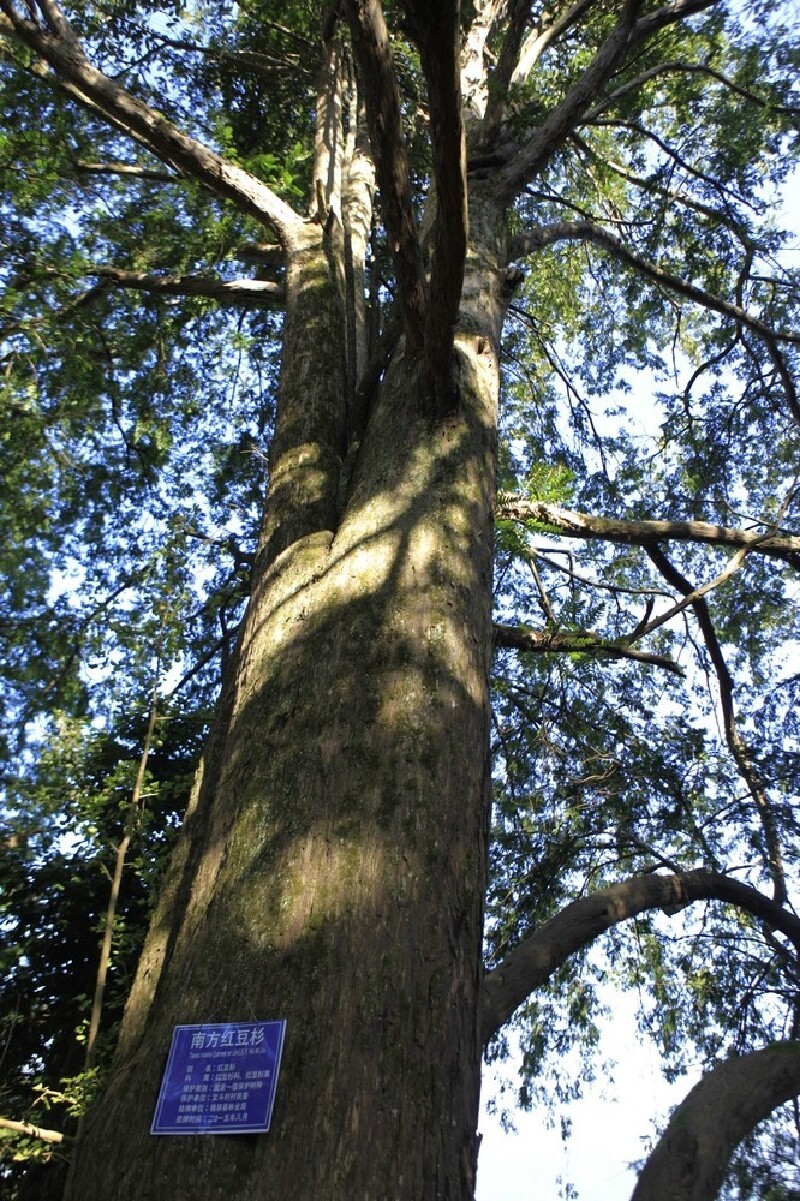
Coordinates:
<point>533,961</point>
<point>548,31</point>
<point>551,134</point>
<point>436,26</point>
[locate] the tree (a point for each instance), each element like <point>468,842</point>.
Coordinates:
<point>592,179</point>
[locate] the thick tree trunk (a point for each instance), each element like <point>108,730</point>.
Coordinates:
<point>332,867</point>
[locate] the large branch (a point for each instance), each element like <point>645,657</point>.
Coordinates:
<point>568,523</point>
<point>59,48</point>
<point>691,1158</point>
<point>123,169</point>
<point>251,293</point>
<point>533,961</point>
<point>38,1132</point>
<point>587,231</point>
<point>233,291</point>
<point>382,102</point>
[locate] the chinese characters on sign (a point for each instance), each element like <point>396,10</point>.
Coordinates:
<point>220,1079</point>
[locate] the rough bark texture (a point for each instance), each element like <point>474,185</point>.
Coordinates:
<point>332,868</point>
<point>691,1159</point>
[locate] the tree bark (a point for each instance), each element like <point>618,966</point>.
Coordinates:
<point>332,867</point>
<point>691,1159</point>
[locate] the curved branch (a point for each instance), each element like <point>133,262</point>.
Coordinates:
<point>690,69</point>
<point>530,964</point>
<point>568,523</point>
<point>587,231</point>
<point>691,1158</point>
<point>58,47</point>
<point>650,186</point>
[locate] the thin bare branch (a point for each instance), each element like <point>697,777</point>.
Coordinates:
<point>678,67</point>
<point>250,293</point>
<point>670,14</point>
<point>724,215</point>
<point>586,231</point>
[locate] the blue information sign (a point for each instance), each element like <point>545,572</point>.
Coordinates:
<point>220,1079</point>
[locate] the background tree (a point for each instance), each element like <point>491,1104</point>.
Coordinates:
<point>390,204</point>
